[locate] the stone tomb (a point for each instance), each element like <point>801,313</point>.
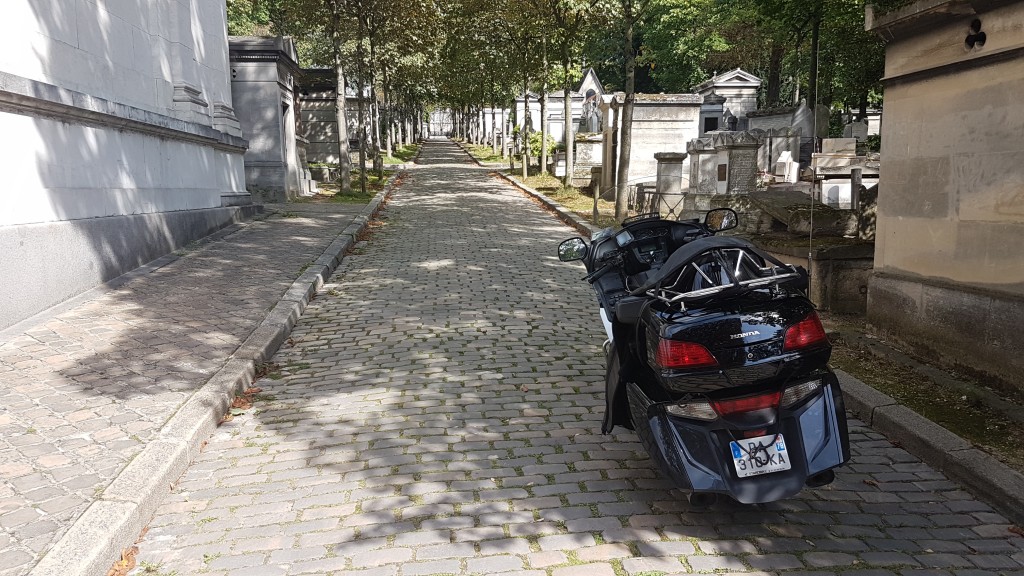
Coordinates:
<point>779,142</point>
<point>737,152</point>
<point>263,86</point>
<point>119,144</point>
<point>589,155</point>
<point>661,123</point>
<point>722,163</point>
<point>787,169</point>
<point>857,130</point>
<point>736,91</point>
<point>672,184</point>
<point>703,166</point>
<point>833,166</point>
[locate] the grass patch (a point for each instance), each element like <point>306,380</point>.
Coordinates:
<point>960,412</point>
<point>153,569</point>
<point>483,153</point>
<point>331,191</point>
<point>403,154</point>
<point>573,199</point>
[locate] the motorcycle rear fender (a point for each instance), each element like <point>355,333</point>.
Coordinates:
<point>693,455</point>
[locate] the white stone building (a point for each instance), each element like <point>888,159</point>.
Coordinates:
<point>119,141</point>
<point>739,88</point>
<point>264,82</point>
<point>556,108</point>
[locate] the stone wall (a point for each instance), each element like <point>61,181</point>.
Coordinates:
<point>951,201</point>
<point>119,141</point>
<point>661,123</point>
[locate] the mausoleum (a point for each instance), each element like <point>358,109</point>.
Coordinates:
<point>120,143</point>
<point>264,77</point>
<point>949,274</point>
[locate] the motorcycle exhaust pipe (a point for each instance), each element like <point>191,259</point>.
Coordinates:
<point>702,500</point>
<point>821,479</point>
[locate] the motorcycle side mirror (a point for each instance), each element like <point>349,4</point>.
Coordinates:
<point>721,219</point>
<point>573,249</point>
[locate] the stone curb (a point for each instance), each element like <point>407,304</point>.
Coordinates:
<point>114,521</point>
<point>987,478</point>
<point>567,216</point>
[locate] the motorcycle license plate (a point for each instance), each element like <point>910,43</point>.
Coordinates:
<point>753,461</point>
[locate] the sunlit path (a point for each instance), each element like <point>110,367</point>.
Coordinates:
<point>439,413</point>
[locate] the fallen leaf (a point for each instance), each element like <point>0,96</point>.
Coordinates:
<point>1016,530</point>
<point>871,482</point>
<point>227,418</point>
<point>523,388</point>
<point>125,564</point>
<point>251,391</point>
<point>241,402</point>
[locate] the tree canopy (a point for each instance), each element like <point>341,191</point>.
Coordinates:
<point>466,55</point>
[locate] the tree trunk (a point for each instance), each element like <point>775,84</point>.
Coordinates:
<point>494,124</point>
<point>506,121</point>
<point>544,113</point>
<point>341,111</point>
<point>388,150</point>
<point>812,81</point>
<point>567,133</point>
<point>524,135</point>
<point>375,131</point>
<point>362,107</point>
<point>374,107</point>
<point>774,90</point>
<point>626,139</point>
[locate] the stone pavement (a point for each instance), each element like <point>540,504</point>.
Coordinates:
<point>438,411</point>
<point>85,390</point>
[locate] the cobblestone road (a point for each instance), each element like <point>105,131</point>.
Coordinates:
<point>83,391</point>
<point>439,413</point>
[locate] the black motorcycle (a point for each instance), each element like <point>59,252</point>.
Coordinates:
<point>716,358</point>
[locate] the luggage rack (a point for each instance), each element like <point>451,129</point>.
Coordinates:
<point>738,275</point>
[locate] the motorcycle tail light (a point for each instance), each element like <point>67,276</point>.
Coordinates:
<point>805,333</point>
<point>679,354</point>
<point>747,404</point>
<point>698,410</point>
<point>794,394</point>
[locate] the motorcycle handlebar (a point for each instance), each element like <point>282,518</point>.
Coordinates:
<point>592,277</point>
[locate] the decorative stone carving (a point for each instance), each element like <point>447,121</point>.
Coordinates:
<point>224,119</point>
<point>698,145</point>
<point>190,94</point>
